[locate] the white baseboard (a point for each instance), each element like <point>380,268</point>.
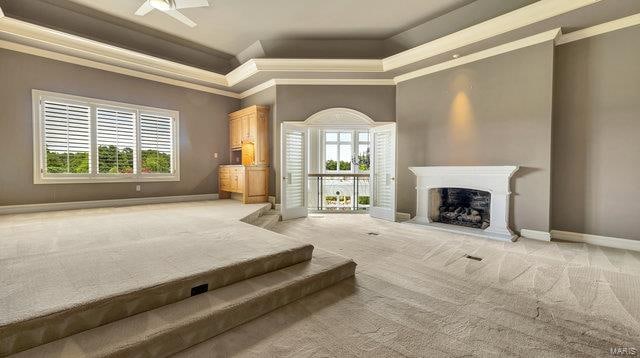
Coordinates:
<point>72,205</point>
<point>607,241</point>
<point>535,234</point>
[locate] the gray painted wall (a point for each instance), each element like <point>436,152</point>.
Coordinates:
<point>203,129</point>
<point>297,103</point>
<point>596,161</point>
<point>492,112</point>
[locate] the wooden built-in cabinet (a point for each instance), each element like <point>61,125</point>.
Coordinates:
<point>250,126</point>
<point>249,146</point>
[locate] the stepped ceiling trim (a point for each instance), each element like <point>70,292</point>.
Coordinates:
<point>37,40</point>
<point>614,25</point>
<point>494,51</point>
<point>527,15</point>
<point>318,82</point>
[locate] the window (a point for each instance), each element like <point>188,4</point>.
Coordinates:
<point>82,140</point>
<point>346,151</point>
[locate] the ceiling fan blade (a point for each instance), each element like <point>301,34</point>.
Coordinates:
<point>178,16</point>
<point>184,4</point>
<point>144,9</point>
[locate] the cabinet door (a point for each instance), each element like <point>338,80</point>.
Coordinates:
<point>233,181</point>
<point>244,128</point>
<point>240,182</point>
<point>262,139</point>
<point>233,133</point>
<point>252,130</point>
<point>224,178</point>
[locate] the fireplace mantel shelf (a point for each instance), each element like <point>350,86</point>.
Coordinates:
<point>494,179</point>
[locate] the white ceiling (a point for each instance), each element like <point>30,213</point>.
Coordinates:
<point>232,25</point>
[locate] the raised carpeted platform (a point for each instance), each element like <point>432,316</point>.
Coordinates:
<point>103,277</point>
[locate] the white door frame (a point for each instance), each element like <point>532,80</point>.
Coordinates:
<point>332,118</point>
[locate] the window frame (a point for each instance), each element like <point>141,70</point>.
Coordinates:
<point>39,148</point>
<point>355,145</point>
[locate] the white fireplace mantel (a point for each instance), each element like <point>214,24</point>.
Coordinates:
<point>493,179</point>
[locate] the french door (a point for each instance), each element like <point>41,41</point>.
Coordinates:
<point>383,172</point>
<point>293,170</point>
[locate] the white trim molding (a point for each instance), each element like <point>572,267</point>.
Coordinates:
<point>339,117</point>
<point>1,13</point>
<point>254,66</point>
<point>481,55</point>
<point>111,68</point>
<point>527,15</point>
<point>317,82</point>
<point>606,241</point>
<point>535,235</point>
<point>39,36</point>
<point>21,36</point>
<point>614,25</point>
<point>74,205</point>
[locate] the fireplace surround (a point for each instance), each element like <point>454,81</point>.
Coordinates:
<point>466,199</point>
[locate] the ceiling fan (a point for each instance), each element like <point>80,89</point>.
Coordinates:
<point>170,7</point>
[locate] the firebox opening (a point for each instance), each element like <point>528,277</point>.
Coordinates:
<point>460,206</point>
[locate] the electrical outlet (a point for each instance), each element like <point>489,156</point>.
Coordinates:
<point>138,187</point>
<point>215,155</point>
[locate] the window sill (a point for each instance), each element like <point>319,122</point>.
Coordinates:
<point>104,179</point>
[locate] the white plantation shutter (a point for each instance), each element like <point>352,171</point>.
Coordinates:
<point>293,169</point>
<point>67,136</point>
<point>116,140</point>
<point>295,166</point>
<point>84,140</point>
<point>382,170</point>
<point>156,140</point>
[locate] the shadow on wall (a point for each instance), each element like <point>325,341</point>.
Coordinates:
<point>520,173</point>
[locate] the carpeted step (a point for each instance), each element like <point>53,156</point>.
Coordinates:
<point>169,329</point>
<point>268,220</point>
<point>48,297</point>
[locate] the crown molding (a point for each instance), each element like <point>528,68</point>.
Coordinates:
<point>477,56</point>
<point>259,88</point>
<point>596,30</point>
<point>254,66</point>
<point>41,37</point>
<point>111,68</point>
<point>48,39</point>
<point>317,82</point>
<point>530,14</point>
<point>37,40</point>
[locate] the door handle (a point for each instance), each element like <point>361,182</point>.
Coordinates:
<point>288,178</point>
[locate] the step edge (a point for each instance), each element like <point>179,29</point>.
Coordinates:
<point>301,253</point>
<point>346,265</point>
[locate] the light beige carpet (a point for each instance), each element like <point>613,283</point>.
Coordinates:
<point>415,295</point>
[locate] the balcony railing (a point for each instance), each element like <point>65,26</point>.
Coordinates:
<point>339,192</point>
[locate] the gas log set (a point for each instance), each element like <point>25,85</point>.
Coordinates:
<point>464,207</point>
<point>462,216</point>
